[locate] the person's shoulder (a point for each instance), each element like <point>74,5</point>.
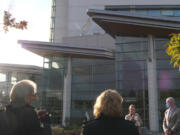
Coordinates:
<point>126,122</point>
<point>137,114</point>
<point>89,123</point>
<point>28,107</point>
<point>177,110</point>
<point>28,110</point>
<point>128,126</point>
<point>127,115</point>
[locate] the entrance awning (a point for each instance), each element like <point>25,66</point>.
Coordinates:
<point>60,49</point>
<point>116,23</point>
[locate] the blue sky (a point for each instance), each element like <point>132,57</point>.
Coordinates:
<point>37,13</point>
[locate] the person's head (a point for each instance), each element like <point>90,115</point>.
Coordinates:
<point>108,103</point>
<point>170,102</point>
<point>132,109</point>
<point>24,91</point>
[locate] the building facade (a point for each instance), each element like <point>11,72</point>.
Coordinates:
<point>69,17</point>
<point>12,73</point>
<point>121,46</point>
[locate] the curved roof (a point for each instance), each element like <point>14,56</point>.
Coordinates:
<point>60,49</point>
<point>128,24</point>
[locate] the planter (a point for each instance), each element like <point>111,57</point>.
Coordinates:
<point>61,131</point>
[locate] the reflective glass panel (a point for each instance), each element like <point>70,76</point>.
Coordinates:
<point>167,12</point>
<point>154,12</point>
<point>177,12</point>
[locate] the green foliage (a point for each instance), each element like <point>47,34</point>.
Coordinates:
<point>173,49</point>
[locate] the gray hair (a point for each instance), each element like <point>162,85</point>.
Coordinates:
<point>170,99</point>
<point>22,89</point>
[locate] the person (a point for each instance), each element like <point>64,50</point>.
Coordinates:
<point>171,122</point>
<point>109,117</point>
<point>23,119</point>
<point>134,117</point>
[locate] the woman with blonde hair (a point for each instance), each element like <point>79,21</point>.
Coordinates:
<point>134,117</point>
<point>108,116</point>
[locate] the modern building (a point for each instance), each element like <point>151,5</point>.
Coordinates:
<point>121,46</point>
<point>12,73</point>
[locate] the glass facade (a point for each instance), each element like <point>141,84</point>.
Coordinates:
<point>168,78</point>
<point>51,91</point>
<point>149,10</point>
<point>89,78</point>
<point>164,12</point>
<point>131,67</point>
<point>2,77</point>
<point>131,73</point>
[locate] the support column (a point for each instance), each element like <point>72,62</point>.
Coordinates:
<point>67,94</point>
<point>152,85</point>
<point>8,82</point>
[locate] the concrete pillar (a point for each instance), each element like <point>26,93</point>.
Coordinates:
<point>67,94</point>
<point>152,85</point>
<point>8,82</point>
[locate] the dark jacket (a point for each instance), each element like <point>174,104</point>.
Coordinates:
<point>45,121</point>
<point>109,126</point>
<point>23,120</point>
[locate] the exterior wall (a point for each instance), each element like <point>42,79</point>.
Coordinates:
<point>168,79</point>
<point>52,87</point>
<point>88,80</point>
<point>97,40</point>
<point>71,18</point>
<point>131,59</point>
<point>131,73</point>
<point>61,18</point>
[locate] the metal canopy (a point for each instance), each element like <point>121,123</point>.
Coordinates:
<point>128,24</point>
<point>60,49</point>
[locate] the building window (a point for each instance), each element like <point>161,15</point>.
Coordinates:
<point>13,79</point>
<point>53,11</point>
<point>51,35</point>
<point>142,12</point>
<point>46,65</point>
<point>52,22</point>
<point>55,65</point>
<point>46,60</point>
<point>176,12</point>
<point>167,12</point>
<point>154,12</point>
<point>2,77</point>
<point>124,11</point>
<point>52,25</point>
